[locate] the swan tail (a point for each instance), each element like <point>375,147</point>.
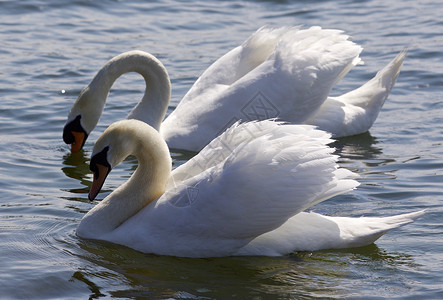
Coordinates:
<point>356,111</point>
<point>372,94</point>
<point>313,232</point>
<point>357,232</point>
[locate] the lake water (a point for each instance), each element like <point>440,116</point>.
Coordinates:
<point>51,49</point>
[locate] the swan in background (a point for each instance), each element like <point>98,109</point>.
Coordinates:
<point>244,194</point>
<point>284,73</point>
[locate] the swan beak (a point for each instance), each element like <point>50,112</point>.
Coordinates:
<point>98,181</point>
<point>79,138</point>
<point>74,134</point>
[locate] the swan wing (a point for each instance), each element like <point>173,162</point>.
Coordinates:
<point>220,148</point>
<point>239,61</point>
<point>256,189</point>
<point>290,84</point>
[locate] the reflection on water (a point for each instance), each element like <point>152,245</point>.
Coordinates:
<point>325,273</point>
<point>363,154</point>
<point>95,290</point>
<point>362,146</point>
<point>179,157</point>
<point>76,166</point>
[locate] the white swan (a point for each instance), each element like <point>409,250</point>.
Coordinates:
<point>283,73</point>
<point>243,194</point>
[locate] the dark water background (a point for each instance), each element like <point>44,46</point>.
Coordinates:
<point>49,50</point>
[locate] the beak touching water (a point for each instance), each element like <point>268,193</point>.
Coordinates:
<point>99,179</point>
<point>75,134</point>
<point>79,140</point>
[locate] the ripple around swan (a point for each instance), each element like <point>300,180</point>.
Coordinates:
<point>51,50</point>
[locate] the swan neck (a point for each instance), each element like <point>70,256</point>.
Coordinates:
<point>152,107</point>
<point>152,173</point>
<point>146,184</point>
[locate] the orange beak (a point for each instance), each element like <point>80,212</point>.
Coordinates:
<point>79,140</point>
<point>98,181</point>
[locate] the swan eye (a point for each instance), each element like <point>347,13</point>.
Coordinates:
<point>73,126</point>
<point>99,159</point>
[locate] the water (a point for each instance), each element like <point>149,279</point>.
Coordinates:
<point>51,49</point>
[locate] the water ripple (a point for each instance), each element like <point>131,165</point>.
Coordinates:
<point>52,49</point>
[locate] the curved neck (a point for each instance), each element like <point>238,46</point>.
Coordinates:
<point>149,179</point>
<point>146,184</point>
<point>152,108</point>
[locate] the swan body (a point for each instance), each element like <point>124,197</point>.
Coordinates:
<point>244,194</point>
<point>283,73</point>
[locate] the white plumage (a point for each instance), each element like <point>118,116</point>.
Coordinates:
<point>243,194</point>
<point>285,73</point>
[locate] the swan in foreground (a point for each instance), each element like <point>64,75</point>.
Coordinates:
<point>284,73</point>
<point>243,194</point>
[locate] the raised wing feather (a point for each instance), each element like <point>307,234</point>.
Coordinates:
<point>255,187</point>
<point>292,81</point>
<point>221,147</point>
<point>239,61</point>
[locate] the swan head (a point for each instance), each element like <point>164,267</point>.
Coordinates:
<point>100,167</point>
<point>88,107</point>
<point>107,153</point>
<point>124,138</point>
<point>74,134</point>
<point>82,119</point>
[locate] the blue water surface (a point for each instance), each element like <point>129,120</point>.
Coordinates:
<point>51,49</point>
